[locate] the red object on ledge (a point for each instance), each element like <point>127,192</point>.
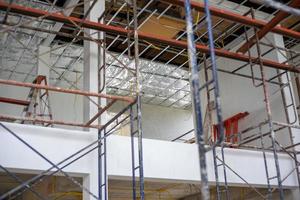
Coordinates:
<point>231,128</point>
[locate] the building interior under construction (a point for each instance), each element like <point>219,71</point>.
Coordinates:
<point>149,99</point>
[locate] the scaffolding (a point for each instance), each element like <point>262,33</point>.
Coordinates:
<point>200,54</point>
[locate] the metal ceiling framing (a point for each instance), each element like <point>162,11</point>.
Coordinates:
<point>172,42</point>
<point>140,72</point>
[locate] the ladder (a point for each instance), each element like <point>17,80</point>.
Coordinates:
<point>102,164</point>
<point>289,105</point>
<point>136,151</point>
<point>196,88</point>
<point>218,157</point>
<point>274,143</point>
<point>39,102</point>
<point>207,126</point>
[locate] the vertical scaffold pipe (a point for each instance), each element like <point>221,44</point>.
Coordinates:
<point>138,93</point>
<point>269,116</point>
<point>214,72</point>
<point>132,153</point>
<point>217,104</point>
<point>195,88</point>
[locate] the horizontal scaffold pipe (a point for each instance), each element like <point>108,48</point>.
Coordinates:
<point>69,91</point>
<point>14,101</point>
<point>45,121</point>
<point>279,17</point>
<point>231,16</point>
<point>57,17</point>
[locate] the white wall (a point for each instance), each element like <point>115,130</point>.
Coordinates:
<point>237,95</point>
<point>12,92</point>
<point>179,162</point>
<point>162,122</point>
<point>66,107</point>
<point>158,122</point>
<point>163,160</point>
<point>165,123</point>
<point>55,144</point>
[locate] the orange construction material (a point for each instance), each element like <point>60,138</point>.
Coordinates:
<point>231,126</point>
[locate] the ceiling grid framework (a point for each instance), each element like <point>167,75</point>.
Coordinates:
<point>157,67</point>
<point>66,69</point>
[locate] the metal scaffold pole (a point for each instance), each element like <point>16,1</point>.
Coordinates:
<point>269,121</point>
<point>195,88</point>
<point>151,58</point>
<point>102,178</point>
<point>139,132</point>
<point>215,81</point>
<point>272,135</point>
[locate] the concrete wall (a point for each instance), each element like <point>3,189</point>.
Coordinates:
<point>12,92</point>
<point>66,107</point>
<point>237,95</point>
<point>158,122</point>
<point>162,123</point>
<point>163,161</point>
<point>55,144</point>
<point>165,123</point>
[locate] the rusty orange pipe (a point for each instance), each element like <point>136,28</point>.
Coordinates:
<point>146,36</point>
<point>231,16</point>
<point>69,91</point>
<point>280,16</point>
<point>14,101</point>
<point>40,120</point>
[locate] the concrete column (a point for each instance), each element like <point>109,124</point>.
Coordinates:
<point>44,61</point>
<point>92,60</point>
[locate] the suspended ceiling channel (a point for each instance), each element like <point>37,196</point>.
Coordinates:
<point>69,54</point>
<point>167,19</point>
<point>116,89</point>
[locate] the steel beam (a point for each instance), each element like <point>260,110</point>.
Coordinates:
<point>144,36</point>
<point>280,16</point>
<point>231,16</point>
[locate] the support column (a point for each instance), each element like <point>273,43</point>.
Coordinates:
<point>44,61</point>
<point>92,61</point>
